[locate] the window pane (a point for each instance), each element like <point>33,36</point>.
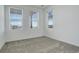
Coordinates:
<point>34,19</point>
<point>50,19</point>
<point>15,18</point>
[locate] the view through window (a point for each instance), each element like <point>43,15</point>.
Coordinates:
<point>34,19</point>
<point>15,18</point>
<point>50,19</point>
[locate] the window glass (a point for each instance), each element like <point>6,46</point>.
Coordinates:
<point>15,18</point>
<point>50,19</point>
<point>34,19</point>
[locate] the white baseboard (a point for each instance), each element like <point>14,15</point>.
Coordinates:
<point>72,43</point>
<point>24,38</point>
<point>1,45</point>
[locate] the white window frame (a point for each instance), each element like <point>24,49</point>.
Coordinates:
<point>10,19</point>
<point>35,10</point>
<point>48,19</point>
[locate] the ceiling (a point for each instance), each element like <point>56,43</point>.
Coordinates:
<point>40,6</point>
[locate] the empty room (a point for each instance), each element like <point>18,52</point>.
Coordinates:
<point>39,28</point>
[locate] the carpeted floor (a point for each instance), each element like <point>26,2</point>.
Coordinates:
<point>38,45</point>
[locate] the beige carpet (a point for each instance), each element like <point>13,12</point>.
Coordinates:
<point>39,45</point>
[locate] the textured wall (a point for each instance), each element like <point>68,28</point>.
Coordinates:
<point>26,31</point>
<point>66,24</point>
<point>2,38</point>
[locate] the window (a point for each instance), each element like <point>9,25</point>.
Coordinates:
<point>50,19</point>
<point>34,19</point>
<point>15,18</point>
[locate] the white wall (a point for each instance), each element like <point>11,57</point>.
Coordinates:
<point>66,24</point>
<point>26,32</point>
<point>2,38</point>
